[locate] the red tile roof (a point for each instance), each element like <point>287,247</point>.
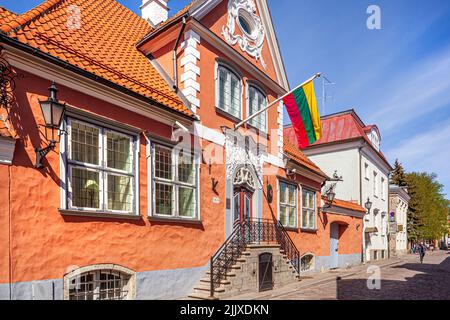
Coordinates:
<point>339,127</point>
<point>6,16</point>
<point>104,45</point>
<point>299,157</point>
<point>346,205</point>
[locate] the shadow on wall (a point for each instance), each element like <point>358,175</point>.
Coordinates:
<point>431,283</point>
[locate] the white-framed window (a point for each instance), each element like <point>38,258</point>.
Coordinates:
<point>229,91</point>
<point>101,170</point>
<point>375,184</point>
<point>383,189</point>
<point>174,183</point>
<point>257,100</point>
<point>288,204</point>
<point>100,282</point>
<point>309,210</point>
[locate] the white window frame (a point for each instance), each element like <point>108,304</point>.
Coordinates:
<point>287,205</point>
<point>309,209</point>
<point>174,183</point>
<point>251,85</point>
<point>383,188</point>
<point>101,168</point>
<point>366,171</point>
<point>217,80</point>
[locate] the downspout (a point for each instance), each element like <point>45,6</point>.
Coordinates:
<point>9,236</point>
<point>175,64</point>
<point>363,250</point>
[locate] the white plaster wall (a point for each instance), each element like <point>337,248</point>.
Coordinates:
<point>346,163</point>
<point>378,241</point>
<point>401,217</point>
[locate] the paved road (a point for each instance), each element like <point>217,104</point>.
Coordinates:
<point>407,280</point>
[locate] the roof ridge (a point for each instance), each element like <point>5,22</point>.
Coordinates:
<point>30,16</point>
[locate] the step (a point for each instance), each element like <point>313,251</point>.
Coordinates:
<point>229,274</point>
<point>207,288</point>
<point>208,280</point>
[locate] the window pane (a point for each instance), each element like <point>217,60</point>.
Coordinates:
<point>311,200</point>
<point>119,152</point>
<point>282,192</point>
<point>186,200</point>
<point>84,143</point>
<point>292,213</point>
<point>304,219</point>
<point>163,163</point>
<point>163,199</point>
<point>292,193</point>
<point>186,168</point>
<point>257,101</point>
<point>235,96</point>
<point>223,90</point>
<point>283,218</point>
<point>304,199</point>
<point>120,193</point>
<point>85,188</point>
<point>229,92</point>
<point>312,219</point>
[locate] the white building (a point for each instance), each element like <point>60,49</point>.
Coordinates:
<point>399,202</point>
<point>352,150</point>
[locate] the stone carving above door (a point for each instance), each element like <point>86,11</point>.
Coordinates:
<point>245,28</point>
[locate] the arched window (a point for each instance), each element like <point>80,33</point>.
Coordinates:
<point>100,282</point>
<point>307,262</point>
<point>257,100</point>
<point>229,91</point>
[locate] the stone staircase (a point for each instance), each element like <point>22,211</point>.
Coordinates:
<point>243,276</point>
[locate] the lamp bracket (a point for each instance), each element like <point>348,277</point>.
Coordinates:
<point>41,153</point>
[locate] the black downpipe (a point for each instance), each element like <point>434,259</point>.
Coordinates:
<point>175,65</point>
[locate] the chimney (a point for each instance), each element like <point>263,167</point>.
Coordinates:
<point>155,11</point>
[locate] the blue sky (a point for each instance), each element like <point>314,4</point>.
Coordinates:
<point>397,77</point>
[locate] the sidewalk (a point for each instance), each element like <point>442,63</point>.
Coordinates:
<point>314,279</point>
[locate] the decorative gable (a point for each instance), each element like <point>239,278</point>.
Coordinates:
<point>245,28</point>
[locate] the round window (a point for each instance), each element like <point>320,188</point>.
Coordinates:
<point>246,23</point>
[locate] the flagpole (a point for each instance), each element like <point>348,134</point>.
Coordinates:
<point>240,124</point>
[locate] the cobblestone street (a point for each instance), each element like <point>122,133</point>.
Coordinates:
<point>407,280</point>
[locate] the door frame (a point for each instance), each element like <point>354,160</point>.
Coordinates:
<point>268,270</point>
<point>244,194</point>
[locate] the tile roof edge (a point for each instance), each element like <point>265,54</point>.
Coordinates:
<point>29,16</point>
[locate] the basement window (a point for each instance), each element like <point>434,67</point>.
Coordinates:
<point>307,263</point>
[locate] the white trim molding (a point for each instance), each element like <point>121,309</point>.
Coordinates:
<point>190,64</point>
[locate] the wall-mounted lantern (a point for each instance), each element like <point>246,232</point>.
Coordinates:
<point>368,205</point>
<point>53,113</point>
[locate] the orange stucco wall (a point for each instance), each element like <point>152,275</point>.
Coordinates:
<point>45,243</point>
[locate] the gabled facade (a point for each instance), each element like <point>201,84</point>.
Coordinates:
<point>352,150</point>
<point>148,178</point>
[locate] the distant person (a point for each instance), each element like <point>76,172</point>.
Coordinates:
<point>422,249</point>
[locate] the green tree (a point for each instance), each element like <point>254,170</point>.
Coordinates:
<point>398,175</point>
<point>428,207</point>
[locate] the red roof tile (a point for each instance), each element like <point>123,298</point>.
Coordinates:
<point>104,45</point>
<point>298,156</point>
<point>6,16</point>
<point>346,205</point>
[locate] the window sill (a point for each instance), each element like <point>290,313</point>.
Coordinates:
<point>94,214</point>
<point>308,230</point>
<point>227,115</point>
<point>294,229</point>
<point>174,220</point>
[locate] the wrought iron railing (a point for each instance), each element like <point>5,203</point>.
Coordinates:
<point>256,231</point>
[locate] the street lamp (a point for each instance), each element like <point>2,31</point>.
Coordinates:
<point>368,205</point>
<point>330,196</point>
<point>53,113</point>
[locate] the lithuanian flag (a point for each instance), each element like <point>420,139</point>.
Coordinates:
<point>301,105</point>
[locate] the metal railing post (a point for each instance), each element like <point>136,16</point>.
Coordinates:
<point>211,269</point>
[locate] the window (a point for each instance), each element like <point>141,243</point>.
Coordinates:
<point>366,171</point>
<point>375,184</point>
<point>104,284</point>
<point>229,93</point>
<point>307,263</point>
<point>256,102</point>
<point>383,189</point>
<point>101,170</point>
<point>308,209</point>
<point>288,205</point>
<point>174,183</point>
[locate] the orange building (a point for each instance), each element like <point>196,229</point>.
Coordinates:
<point>145,184</point>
